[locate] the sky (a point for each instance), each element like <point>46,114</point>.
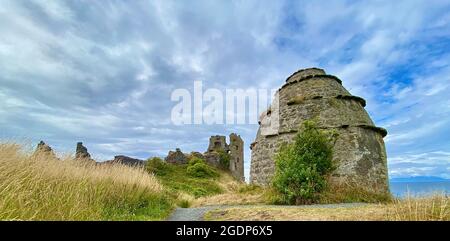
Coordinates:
<point>102,72</point>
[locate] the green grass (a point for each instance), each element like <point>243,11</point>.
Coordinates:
<point>352,194</point>
<point>250,189</point>
<point>177,178</point>
<point>184,203</point>
<point>335,194</point>
<point>148,208</point>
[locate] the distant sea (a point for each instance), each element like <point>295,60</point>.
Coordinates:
<point>419,188</point>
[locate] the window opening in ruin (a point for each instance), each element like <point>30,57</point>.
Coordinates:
<point>217,144</point>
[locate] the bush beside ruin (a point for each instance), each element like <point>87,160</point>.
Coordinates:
<point>302,166</point>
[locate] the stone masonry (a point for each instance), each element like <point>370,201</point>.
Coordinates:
<point>176,157</point>
<point>310,94</point>
<point>235,149</point>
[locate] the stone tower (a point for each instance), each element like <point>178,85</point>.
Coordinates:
<point>236,148</point>
<point>310,94</point>
<point>217,143</point>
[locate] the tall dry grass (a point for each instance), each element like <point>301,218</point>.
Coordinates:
<point>235,193</point>
<point>42,187</point>
<point>429,208</point>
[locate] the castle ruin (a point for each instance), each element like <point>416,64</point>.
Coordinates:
<point>310,94</point>
<point>217,145</point>
<point>235,150</point>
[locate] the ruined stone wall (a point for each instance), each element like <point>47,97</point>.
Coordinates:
<point>176,157</point>
<point>310,94</point>
<point>263,151</point>
<point>236,149</point>
<point>217,143</point>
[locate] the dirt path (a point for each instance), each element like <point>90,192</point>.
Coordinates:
<point>197,214</point>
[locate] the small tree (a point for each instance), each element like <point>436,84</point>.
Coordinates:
<point>301,167</point>
<point>198,168</point>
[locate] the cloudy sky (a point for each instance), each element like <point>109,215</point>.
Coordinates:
<point>102,72</point>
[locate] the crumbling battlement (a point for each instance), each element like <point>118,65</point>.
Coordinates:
<point>235,149</point>
<point>217,146</point>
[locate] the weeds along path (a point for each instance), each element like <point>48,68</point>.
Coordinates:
<point>198,213</point>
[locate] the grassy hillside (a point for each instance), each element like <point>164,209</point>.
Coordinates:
<point>41,187</point>
<point>176,179</point>
<point>192,189</point>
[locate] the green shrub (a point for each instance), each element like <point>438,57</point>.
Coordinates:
<point>272,196</point>
<point>157,166</point>
<point>301,167</point>
<point>224,159</point>
<point>201,170</point>
<point>184,203</point>
<point>199,192</point>
<point>197,167</point>
<point>195,160</point>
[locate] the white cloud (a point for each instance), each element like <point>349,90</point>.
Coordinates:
<point>55,9</point>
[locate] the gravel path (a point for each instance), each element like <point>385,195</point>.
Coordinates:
<point>192,214</point>
<point>196,214</point>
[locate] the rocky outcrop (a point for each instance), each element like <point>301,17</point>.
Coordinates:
<point>82,153</point>
<point>125,160</point>
<point>359,153</point>
<point>176,157</point>
<point>44,149</point>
